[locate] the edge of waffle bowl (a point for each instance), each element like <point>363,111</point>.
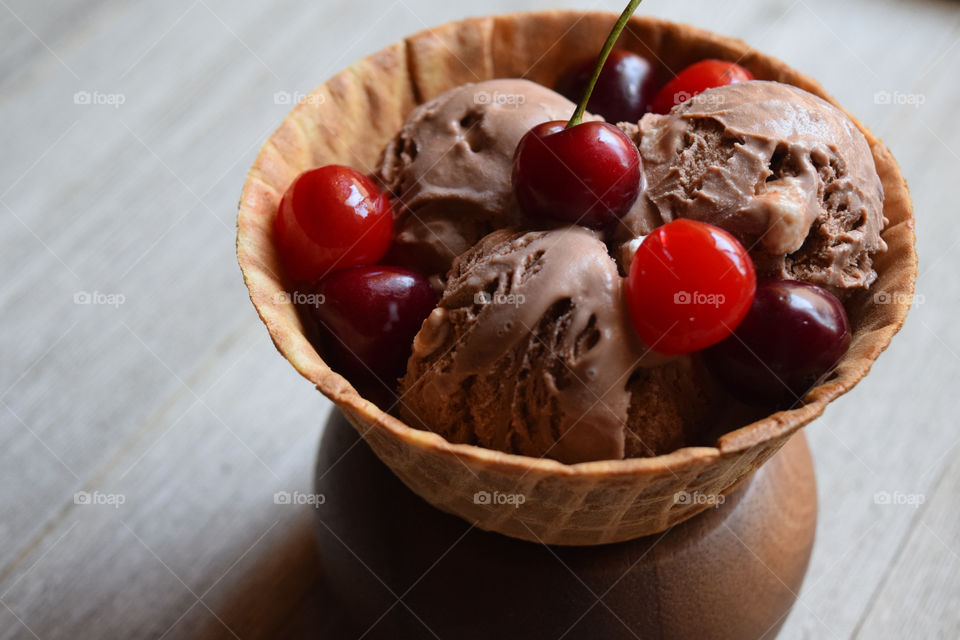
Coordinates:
<point>351,117</point>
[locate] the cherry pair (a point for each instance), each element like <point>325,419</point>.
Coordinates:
<point>692,287</point>
<point>332,227</point>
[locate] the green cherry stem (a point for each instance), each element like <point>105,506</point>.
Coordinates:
<point>607,48</point>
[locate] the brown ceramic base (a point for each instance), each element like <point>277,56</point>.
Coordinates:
<point>403,569</point>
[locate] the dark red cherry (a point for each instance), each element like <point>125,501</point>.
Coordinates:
<point>330,218</point>
<point>625,86</point>
<point>696,79</point>
<point>690,285</point>
<point>369,316</point>
<point>793,335</point>
<point>587,174</point>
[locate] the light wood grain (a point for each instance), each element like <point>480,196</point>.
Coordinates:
<point>176,401</point>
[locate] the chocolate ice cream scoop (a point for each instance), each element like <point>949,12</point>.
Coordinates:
<point>786,172</point>
<point>449,167</point>
<point>531,351</point>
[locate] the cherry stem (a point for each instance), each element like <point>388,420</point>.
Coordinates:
<point>607,48</point>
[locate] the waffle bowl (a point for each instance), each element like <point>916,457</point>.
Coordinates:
<point>350,118</point>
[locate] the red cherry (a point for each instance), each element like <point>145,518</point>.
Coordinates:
<point>792,336</point>
<point>690,285</point>
<point>330,218</point>
<point>624,88</point>
<point>369,316</point>
<point>587,174</point>
<point>695,79</point>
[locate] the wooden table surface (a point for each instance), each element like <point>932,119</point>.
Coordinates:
<point>147,422</point>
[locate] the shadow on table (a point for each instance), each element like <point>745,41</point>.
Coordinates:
<point>280,594</point>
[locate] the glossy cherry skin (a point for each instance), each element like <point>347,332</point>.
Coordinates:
<point>625,86</point>
<point>368,316</point>
<point>588,174</point>
<point>793,335</point>
<point>695,79</point>
<point>690,285</point>
<point>330,218</point>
